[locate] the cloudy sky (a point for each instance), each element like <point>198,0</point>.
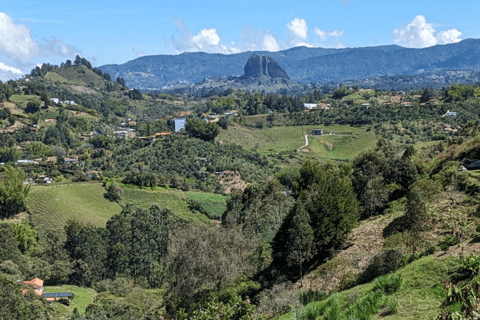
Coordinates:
<point>106,31</point>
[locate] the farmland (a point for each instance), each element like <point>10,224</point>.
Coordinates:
<point>344,143</point>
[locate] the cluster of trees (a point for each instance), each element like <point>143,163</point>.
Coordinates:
<point>381,175</point>
<point>13,193</point>
<point>179,156</point>
<point>198,128</point>
<point>134,244</point>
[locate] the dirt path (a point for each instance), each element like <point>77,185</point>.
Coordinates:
<point>306,143</point>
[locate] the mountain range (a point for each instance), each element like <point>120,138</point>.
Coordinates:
<point>302,64</point>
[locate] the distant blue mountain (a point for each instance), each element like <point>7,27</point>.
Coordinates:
<point>302,64</point>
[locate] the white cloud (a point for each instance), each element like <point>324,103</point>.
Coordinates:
<point>7,68</point>
<point>297,33</point>
<point>449,36</point>
<point>207,40</point>
<point>418,33</point>
<point>255,40</point>
<point>325,35</point>
<point>17,43</point>
<point>8,72</point>
<point>269,42</point>
<point>298,28</point>
<point>16,40</point>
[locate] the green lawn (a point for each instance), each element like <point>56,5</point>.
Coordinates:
<point>82,297</point>
<point>52,206</point>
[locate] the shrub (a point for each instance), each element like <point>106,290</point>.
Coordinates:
<point>392,305</point>
<point>309,296</point>
<point>383,263</point>
<point>447,242</point>
<point>389,283</point>
<point>114,192</point>
<point>277,301</point>
<point>470,264</point>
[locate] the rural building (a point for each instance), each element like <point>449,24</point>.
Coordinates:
<point>70,161</point>
<point>317,132</point>
<point>37,285</point>
<point>310,105</point>
<point>366,106</point>
<point>407,104</point>
<point>55,100</point>
<point>451,114</point>
<point>179,124</point>
<point>94,174</point>
<point>161,134</point>
<point>58,296</point>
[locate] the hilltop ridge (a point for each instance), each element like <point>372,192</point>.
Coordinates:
<point>302,64</point>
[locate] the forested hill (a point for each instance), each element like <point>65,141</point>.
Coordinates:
<point>302,64</point>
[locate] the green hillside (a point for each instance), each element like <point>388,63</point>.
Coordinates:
<point>345,143</point>
<point>52,206</point>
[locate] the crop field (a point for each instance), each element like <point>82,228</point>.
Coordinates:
<point>344,144</point>
<point>52,206</point>
<point>214,204</point>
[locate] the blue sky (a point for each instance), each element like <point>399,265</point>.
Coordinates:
<point>106,32</point>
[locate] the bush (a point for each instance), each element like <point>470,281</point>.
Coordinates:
<point>392,305</point>
<point>383,263</point>
<point>447,242</point>
<point>277,301</point>
<point>114,192</point>
<point>389,283</point>
<point>470,264</point>
<point>309,296</point>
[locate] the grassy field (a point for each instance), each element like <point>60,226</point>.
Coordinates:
<point>175,200</point>
<point>22,100</point>
<point>55,77</point>
<point>52,206</point>
<point>82,297</point>
<point>344,144</point>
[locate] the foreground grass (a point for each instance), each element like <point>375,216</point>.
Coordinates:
<point>53,206</point>
<point>82,297</point>
<point>420,298</point>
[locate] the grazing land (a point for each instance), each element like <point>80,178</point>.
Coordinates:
<point>344,143</point>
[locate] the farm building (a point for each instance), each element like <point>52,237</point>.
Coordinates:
<point>179,124</point>
<point>310,105</point>
<point>317,132</point>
